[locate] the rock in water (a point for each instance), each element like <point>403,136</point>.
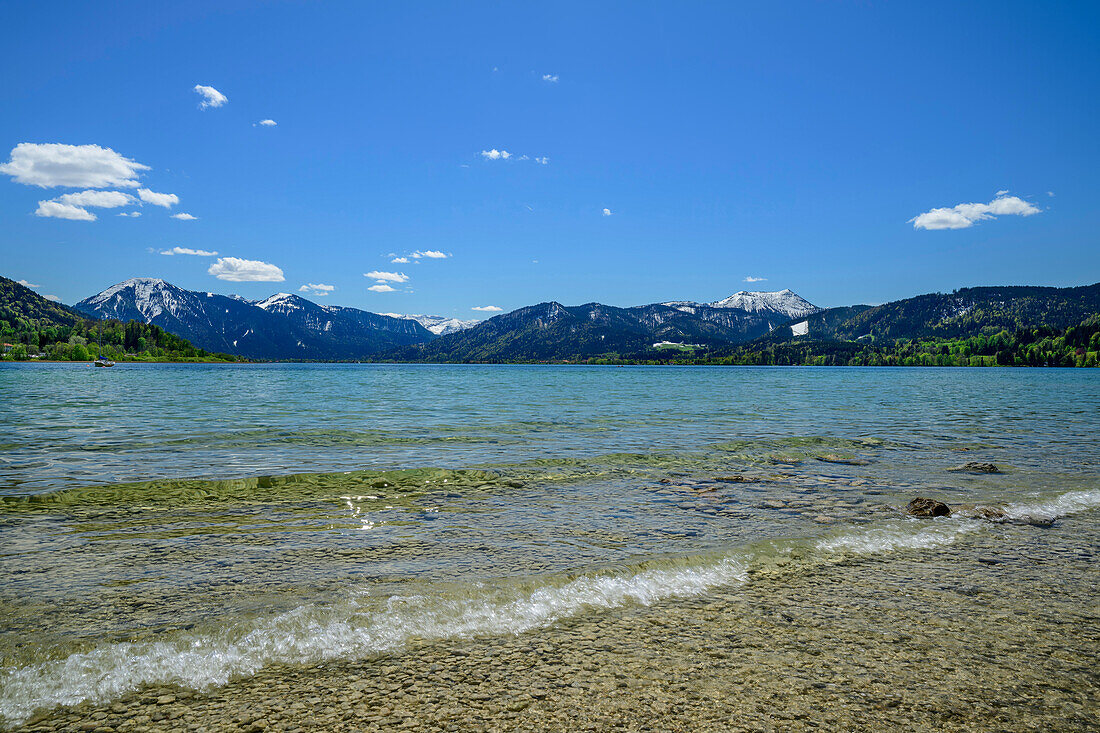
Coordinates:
<point>922,507</point>
<point>976,467</point>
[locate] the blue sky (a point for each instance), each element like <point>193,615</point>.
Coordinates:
<point>793,142</point>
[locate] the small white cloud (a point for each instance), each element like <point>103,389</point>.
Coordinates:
<point>751,279</point>
<point>58,210</point>
<point>1050,193</point>
<point>964,216</point>
<point>607,212</point>
<point>97,199</point>
<point>26,284</point>
<point>53,298</point>
<point>73,166</point>
<point>380,276</point>
<point>381,288</point>
<point>400,260</point>
<point>211,97</point>
<point>552,78</point>
<point>237,270</point>
<point>167,200</point>
<point>495,154</point>
<point>187,251</point>
<point>431,254</point>
<point>184,217</point>
<point>542,160</point>
<point>132,214</point>
<point>487,308</point>
<point>1003,193</point>
<point>267,123</point>
<point>318,289</point>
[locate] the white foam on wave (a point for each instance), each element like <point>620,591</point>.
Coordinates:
<point>1071,502</point>
<point>353,629</point>
<point>899,536</point>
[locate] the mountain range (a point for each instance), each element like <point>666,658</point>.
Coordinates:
<point>283,326</point>
<point>286,326</point>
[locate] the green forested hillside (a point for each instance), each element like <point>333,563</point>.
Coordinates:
<point>31,325</point>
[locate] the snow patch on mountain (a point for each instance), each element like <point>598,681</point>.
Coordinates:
<point>150,297</point>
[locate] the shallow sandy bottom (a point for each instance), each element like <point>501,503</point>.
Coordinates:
<point>999,632</point>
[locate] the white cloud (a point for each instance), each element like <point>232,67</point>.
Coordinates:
<point>187,251</point>
<point>58,210</point>
<point>134,214</point>
<point>552,78</point>
<point>1050,193</point>
<point>964,216</point>
<point>380,276</point>
<point>97,199</point>
<point>184,217</point>
<point>54,298</point>
<point>495,154</point>
<point>318,289</point>
<point>400,260</point>
<point>542,160</point>
<point>211,97</point>
<point>751,279</point>
<point>381,288</point>
<point>1003,193</point>
<point>73,166</point>
<point>26,284</point>
<point>487,308</point>
<point>267,123</point>
<point>167,200</point>
<point>431,254</point>
<point>240,271</point>
<point>607,212</point>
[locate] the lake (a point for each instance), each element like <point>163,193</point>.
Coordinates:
<point>518,547</point>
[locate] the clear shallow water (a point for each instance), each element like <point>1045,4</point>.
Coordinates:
<point>195,525</point>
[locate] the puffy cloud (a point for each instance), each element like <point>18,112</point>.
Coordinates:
<point>58,210</point>
<point>751,279</point>
<point>1002,193</point>
<point>381,288</point>
<point>541,160</point>
<point>964,216</point>
<point>495,154</point>
<point>211,97</point>
<point>607,212</point>
<point>26,284</point>
<point>54,298</point>
<point>400,260</point>
<point>487,308</point>
<point>73,166</point>
<point>318,289</point>
<point>187,251</point>
<point>133,214</point>
<point>552,78</point>
<point>237,270</point>
<point>97,199</point>
<point>1050,193</point>
<point>184,217</point>
<point>393,277</point>
<point>167,200</point>
<point>267,123</point>
<point>431,254</point>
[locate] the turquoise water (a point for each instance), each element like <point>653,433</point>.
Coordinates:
<point>194,525</point>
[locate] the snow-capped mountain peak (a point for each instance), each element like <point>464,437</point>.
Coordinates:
<point>439,325</point>
<point>283,302</point>
<point>150,296</point>
<point>781,301</point>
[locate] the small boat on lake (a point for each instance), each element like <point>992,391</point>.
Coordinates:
<point>103,361</point>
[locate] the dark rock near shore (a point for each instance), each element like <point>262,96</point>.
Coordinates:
<point>976,467</point>
<point>923,507</point>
